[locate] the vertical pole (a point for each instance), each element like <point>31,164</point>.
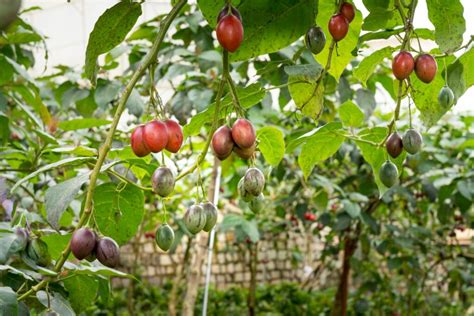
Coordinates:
<point>211,244</point>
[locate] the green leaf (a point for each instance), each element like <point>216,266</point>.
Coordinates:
<point>375,155</point>
<point>271,144</point>
<point>268,25</point>
<point>82,291</point>
<point>308,71</point>
<point>249,96</point>
<point>367,66</point>
<point>54,165</point>
<point>230,221</point>
<point>353,209</point>
<point>351,115</point>
<point>320,146</point>
<point>118,212</point>
<point>135,104</point>
<point>110,30</point>
<point>56,302</point>
<point>101,270</point>
<point>8,301</point>
<point>56,243</point>
<point>308,95</point>
<point>447,18</point>
<point>250,229</point>
<point>345,46</point>
<point>73,125</point>
<point>461,73</point>
<point>57,198</point>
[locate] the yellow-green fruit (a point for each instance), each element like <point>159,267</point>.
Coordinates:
<point>195,219</point>
<point>164,237</point>
<point>211,215</point>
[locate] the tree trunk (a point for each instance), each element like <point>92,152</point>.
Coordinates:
<point>251,299</point>
<point>198,256</point>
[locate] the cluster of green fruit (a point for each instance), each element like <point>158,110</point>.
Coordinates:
<point>155,136</point>
<point>241,139</point>
<point>229,31</point>
<point>338,27</point>
<point>250,189</point>
<point>86,244</point>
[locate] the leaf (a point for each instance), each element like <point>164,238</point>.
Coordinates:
<point>15,271</point>
<point>56,243</point>
<point>353,209</point>
<point>230,221</point>
<point>308,71</point>
<point>118,213</point>
<point>344,47</point>
<point>101,270</point>
<point>268,25</point>
<point>135,104</point>
<point>367,66</point>
<point>8,301</point>
<point>375,155</point>
<point>271,144</point>
<point>461,73</point>
<point>82,291</point>
<point>54,165</point>
<point>110,30</point>
<point>249,96</point>
<point>320,146</point>
<point>351,115</point>
<point>56,302</point>
<point>308,95</point>
<point>76,124</point>
<point>57,198</point>
<point>447,18</point>
<point>250,228</point>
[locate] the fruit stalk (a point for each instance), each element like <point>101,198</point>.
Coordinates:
<point>104,150</point>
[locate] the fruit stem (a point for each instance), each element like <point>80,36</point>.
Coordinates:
<point>126,180</point>
<point>88,205</point>
<point>396,114</point>
<point>445,72</point>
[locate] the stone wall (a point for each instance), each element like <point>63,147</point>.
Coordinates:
<point>230,265</point>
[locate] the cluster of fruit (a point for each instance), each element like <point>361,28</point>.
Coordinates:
<point>229,31</point>
<point>251,187</point>
<point>338,26</point>
<point>241,139</point>
<point>85,244</point>
<point>155,136</point>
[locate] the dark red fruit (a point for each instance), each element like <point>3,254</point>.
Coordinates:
<point>243,133</point>
<point>225,11</point>
<point>394,145</point>
<point>163,181</point>
<point>403,65</point>
<point>138,145</point>
<point>347,10</point>
<point>175,136</point>
<point>245,153</point>
<point>338,27</point>
<point>230,33</point>
<point>107,252</point>
<point>83,243</point>
<point>222,142</point>
<point>309,216</point>
<point>155,136</point>
<point>425,68</point>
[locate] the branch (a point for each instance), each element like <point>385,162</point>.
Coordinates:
<point>104,150</point>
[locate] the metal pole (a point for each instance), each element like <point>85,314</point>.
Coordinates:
<point>211,244</point>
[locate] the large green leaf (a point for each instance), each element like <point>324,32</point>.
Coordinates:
<point>447,18</point>
<point>72,125</point>
<point>248,96</point>
<point>110,30</point>
<point>268,25</point>
<point>56,243</point>
<point>375,155</point>
<point>367,66</point>
<point>461,73</point>
<point>271,144</point>
<point>351,115</point>
<point>320,146</point>
<point>343,52</point>
<point>8,302</point>
<point>101,270</point>
<point>57,198</point>
<point>382,15</point>
<point>56,302</point>
<point>118,211</point>
<point>82,291</point>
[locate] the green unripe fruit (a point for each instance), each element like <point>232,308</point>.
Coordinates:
<point>412,141</point>
<point>37,250</point>
<point>211,215</point>
<point>388,174</point>
<point>20,242</point>
<point>446,97</point>
<point>254,181</point>
<point>195,219</point>
<point>315,39</point>
<point>163,181</point>
<point>164,237</point>
<point>244,195</point>
<point>257,204</point>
